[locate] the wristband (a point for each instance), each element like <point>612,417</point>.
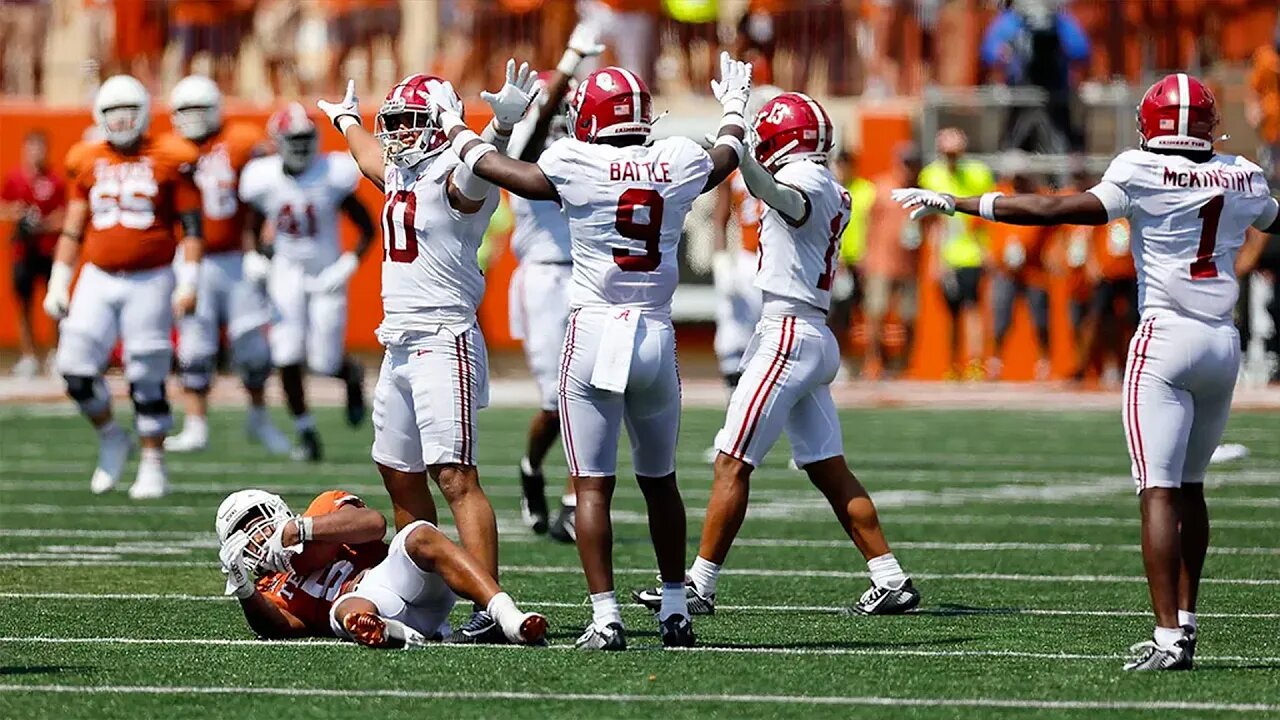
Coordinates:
<point>450,120</point>
<point>474,154</point>
<point>342,127</point>
<point>732,142</point>
<point>187,274</point>
<point>733,119</point>
<point>461,139</point>
<point>569,62</point>
<point>987,205</point>
<point>306,528</point>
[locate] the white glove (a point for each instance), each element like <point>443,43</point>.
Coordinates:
<point>584,42</point>
<point>57,297</point>
<point>733,89</point>
<point>923,203</point>
<point>333,279</point>
<point>255,267</point>
<point>446,108</point>
<point>278,557</point>
<point>239,582</point>
<point>518,93</point>
<point>348,107</point>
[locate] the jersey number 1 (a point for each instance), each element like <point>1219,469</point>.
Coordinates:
<point>650,231</point>
<point>402,246</point>
<point>1204,268</point>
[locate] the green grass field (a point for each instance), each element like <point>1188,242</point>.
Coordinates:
<point>1020,529</point>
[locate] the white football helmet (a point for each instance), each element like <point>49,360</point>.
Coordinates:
<point>294,134</point>
<point>259,512</point>
<point>197,107</point>
<point>122,110</point>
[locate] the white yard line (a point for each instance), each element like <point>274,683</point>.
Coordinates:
<point>711,649</point>
<point>6,561</point>
<point>798,609</point>
<point>828,700</point>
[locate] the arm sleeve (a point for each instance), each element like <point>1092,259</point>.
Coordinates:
<point>1270,210</point>
<point>785,199</point>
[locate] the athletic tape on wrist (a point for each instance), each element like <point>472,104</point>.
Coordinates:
<point>734,119</point>
<point>187,274</point>
<point>987,205</point>
<point>342,127</point>
<point>474,154</point>
<point>735,143</point>
<point>569,62</point>
<point>305,529</point>
<point>461,139</point>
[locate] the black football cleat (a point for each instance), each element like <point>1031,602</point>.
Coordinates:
<point>308,447</point>
<point>353,376</point>
<point>1150,656</point>
<point>699,604</point>
<point>885,600</point>
<point>676,631</point>
<point>610,638</point>
<point>480,629</point>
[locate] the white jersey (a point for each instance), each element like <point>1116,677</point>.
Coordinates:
<point>626,208</point>
<point>541,233</point>
<point>301,210</point>
<point>798,262</point>
<point>430,274</point>
<point>1187,222</point>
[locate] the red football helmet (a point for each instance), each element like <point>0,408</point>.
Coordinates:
<point>609,103</point>
<point>404,123</point>
<point>1178,112</point>
<point>790,127</point>
<point>294,134</point>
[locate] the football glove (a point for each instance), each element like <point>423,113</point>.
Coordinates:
<point>512,101</point>
<point>57,298</point>
<point>923,203</point>
<point>584,42</point>
<point>334,278</point>
<point>239,580</point>
<point>446,109</point>
<point>276,556</point>
<point>733,89</point>
<point>255,267</point>
<point>347,107</point>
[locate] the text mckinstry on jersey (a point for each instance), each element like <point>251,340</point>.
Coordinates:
<point>1237,180</point>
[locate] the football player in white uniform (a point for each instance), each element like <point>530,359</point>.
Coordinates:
<point>793,358</point>
<point>329,572</point>
<point>1188,209</point>
<point>230,294</point>
<point>539,290</point>
<point>626,200</point>
<point>435,372</point>
<point>297,194</point>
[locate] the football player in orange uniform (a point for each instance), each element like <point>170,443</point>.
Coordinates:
<point>127,194</point>
<point>232,276</point>
<point>328,572</point>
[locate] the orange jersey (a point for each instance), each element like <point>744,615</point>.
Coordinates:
<point>1077,241</point>
<point>747,210</point>
<point>222,158</point>
<point>134,200</point>
<point>1109,251</point>
<point>1020,251</point>
<point>309,597</point>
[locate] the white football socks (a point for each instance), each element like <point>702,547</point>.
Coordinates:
<point>1166,637</point>
<point>151,456</point>
<point>503,610</point>
<point>885,571</point>
<point>569,500</point>
<point>1187,619</point>
<point>673,601</point>
<point>604,609</point>
<point>527,467</point>
<point>704,574</point>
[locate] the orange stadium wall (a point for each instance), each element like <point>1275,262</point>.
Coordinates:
<point>65,127</point>
<point>880,132</point>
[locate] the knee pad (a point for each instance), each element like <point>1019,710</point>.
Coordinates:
<point>197,373</point>
<point>151,408</point>
<point>89,393</point>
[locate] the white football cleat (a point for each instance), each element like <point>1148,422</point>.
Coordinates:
<point>1229,452</point>
<point>191,439</point>
<point>269,436</point>
<point>26,368</point>
<point>113,452</point>
<point>152,481</point>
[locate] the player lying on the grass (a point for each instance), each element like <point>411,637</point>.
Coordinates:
<point>329,572</point>
<point>1189,209</point>
<point>626,199</point>
<point>792,359</point>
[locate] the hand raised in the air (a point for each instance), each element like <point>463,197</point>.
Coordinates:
<point>923,203</point>
<point>348,106</point>
<point>446,106</point>
<point>515,97</point>
<point>733,89</point>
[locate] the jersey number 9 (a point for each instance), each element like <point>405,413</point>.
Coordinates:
<point>639,218</point>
